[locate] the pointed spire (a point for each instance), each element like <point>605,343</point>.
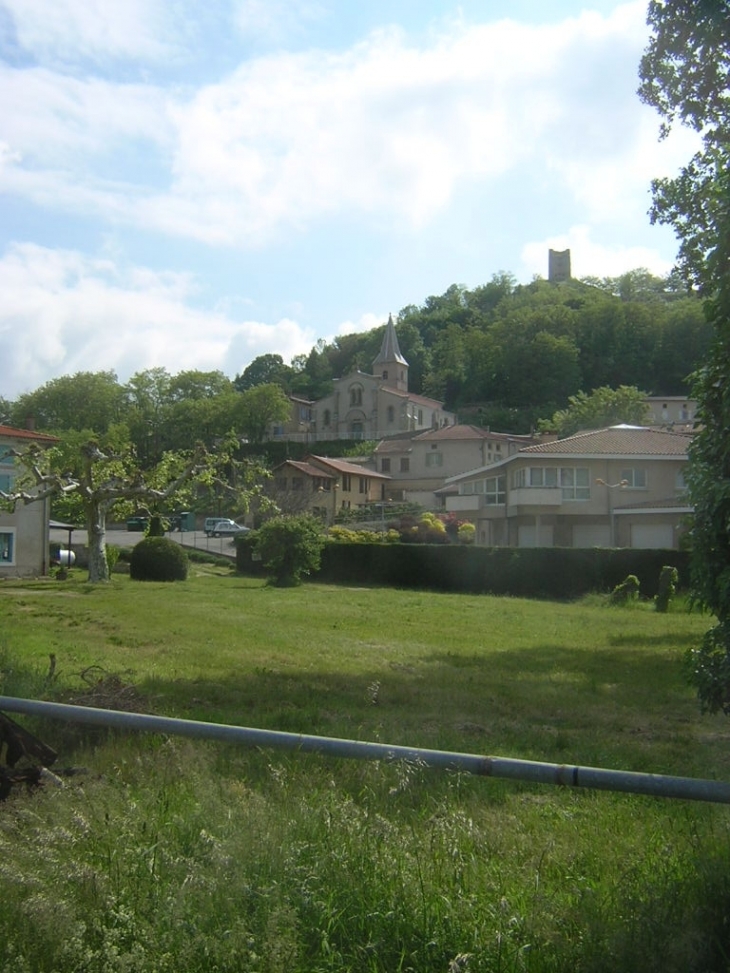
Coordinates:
<point>389,350</point>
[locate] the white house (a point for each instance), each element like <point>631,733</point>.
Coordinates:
<point>23,533</point>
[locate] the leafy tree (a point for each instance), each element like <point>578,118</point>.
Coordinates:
<point>602,407</point>
<point>86,400</point>
<point>290,547</point>
<point>259,407</point>
<point>101,481</point>
<point>684,72</point>
<point>265,370</point>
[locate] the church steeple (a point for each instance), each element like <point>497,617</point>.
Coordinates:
<point>390,365</point>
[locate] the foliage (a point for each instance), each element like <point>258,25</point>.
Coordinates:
<point>112,556</point>
<point>290,547</point>
<point>602,407</point>
<point>156,527</point>
<point>466,533</point>
<point>625,592</point>
<point>259,407</point>
<point>668,578</point>
<point>684,74</point>
<point>347,535</point>
<point>158,559</point>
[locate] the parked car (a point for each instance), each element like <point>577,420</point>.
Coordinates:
<point>209,523</point>
<point>223,527</point>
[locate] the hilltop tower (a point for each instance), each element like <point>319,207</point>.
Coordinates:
<point>558,265</point>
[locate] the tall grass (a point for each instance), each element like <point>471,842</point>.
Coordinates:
<point>173,855</point>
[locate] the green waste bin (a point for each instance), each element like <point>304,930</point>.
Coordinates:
<point>187,520</point>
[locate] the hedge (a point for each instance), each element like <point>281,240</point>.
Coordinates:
<point>554,573</point>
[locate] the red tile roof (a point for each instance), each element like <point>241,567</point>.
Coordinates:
<point>10,432</point>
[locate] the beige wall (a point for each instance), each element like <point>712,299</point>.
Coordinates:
<point>28,527</point>
<point>543,509</point>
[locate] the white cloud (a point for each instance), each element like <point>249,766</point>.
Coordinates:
<point>63,312</point>
<point>64,30</point>
<point>384,131</point>
<point>273,20</point>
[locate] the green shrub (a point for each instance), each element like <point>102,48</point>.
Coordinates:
<point>158,559</point>
<point>290,547</point>
<point>112,556</point>
<point>625,592</point>
<point>668,578</point>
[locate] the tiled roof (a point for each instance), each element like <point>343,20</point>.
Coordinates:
<point>10,432</point>
<point>343,466</point>
<point>615,441</point>
<point>305,468</point>
<point>463,431</point>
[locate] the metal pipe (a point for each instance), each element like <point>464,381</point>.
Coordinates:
<point>653,785</point>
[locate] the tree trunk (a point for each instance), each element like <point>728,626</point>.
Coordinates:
<point>96,526</point>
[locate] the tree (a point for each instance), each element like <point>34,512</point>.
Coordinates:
<point>259,407</point>
<point>86,400</point>
<point>603,407</point>
<point>290,547</point>
<point>264,370</point>
<point>101,480</point>
<point>684,72</point>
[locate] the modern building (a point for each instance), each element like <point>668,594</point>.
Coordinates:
<point>623,486</point>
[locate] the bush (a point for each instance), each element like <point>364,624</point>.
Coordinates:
<point>112,556</point>
<point>627,591</point>
<point>158,559</point>
<point>668,579</point>
<point>290,547</point>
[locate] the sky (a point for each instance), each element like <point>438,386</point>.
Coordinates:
<point>190,185</point>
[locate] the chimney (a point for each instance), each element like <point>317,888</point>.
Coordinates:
<point>30,423</point>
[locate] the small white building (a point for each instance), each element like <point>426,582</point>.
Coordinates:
<point>24,537</point>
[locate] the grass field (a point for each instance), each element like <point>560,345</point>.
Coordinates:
<point>173,855</point>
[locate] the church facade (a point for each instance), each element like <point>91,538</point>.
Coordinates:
<point>376,406</point>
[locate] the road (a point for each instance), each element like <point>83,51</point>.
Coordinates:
<point>197,539</point>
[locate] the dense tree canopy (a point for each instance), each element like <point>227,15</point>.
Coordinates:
<point>686,76</point>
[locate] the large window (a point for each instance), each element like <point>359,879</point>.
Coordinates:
<point>493,488</point>
<point>635,479</point>
<point>346,482</point>
<point>405,464</point>
<point>574,482</point>
<point>434,459</point>
<point>7,547</point>
<point>7,470</point>
<point>385,465</point>
<point>355,395</point>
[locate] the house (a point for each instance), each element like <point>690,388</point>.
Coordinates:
<point>24,533</point>
<point>622,486</point>
<point>420,463</point>
<point>323,486</point>
<point>363,406</point>
<point>674,411</point>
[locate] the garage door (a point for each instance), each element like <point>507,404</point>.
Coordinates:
<point>528,536</point>
<point>654,536</point>
<point>591,535</point>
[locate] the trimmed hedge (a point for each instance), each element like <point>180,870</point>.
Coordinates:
<point>158,559</point>
<point>554,573</point>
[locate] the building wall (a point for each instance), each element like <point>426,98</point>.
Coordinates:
<point>24,541</point>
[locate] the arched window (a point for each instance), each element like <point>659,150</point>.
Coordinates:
<point>355,395</point>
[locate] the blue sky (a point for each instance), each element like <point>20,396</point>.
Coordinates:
<point>191,185</point>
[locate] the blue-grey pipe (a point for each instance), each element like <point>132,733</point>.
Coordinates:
<point>654,785</point>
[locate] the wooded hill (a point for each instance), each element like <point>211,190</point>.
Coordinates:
<point>503,355</point>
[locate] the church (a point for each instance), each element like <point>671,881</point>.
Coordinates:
<point>377,406</point>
